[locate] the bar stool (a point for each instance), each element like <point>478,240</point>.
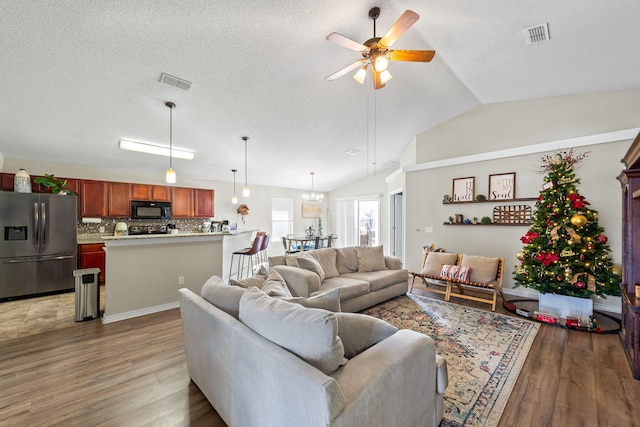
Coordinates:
<point>243,253</point>
<point>262,255</point>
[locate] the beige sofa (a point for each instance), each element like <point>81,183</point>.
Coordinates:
<point>364,275</point>
<point>263,361</point>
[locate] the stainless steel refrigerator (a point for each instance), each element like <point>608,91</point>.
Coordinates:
<point>38,245</point>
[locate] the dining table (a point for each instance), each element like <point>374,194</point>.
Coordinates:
<point>304,243</point>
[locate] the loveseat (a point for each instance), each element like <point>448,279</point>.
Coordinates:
<point>364,275</point>
<point>263,361</point>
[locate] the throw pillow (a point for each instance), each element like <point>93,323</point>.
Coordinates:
<point>370,258</point>
<point>455,272</point>
<point>223,296</point>
<point>275,285</point>
<point>435,261</point>
<point>309,333</point>
<point>327,259</point>
<point>291,260</point>
<point>257,280</point>
<point>329,300</point>
<point>483,269</point>
<point>308,262</point>
<point>358,332</point>
<point>346,260</point>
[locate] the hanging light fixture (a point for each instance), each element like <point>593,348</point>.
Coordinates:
<point>171,174</point>
<point>245,190</point>
<point>234,198</point>
<point>313,197</point>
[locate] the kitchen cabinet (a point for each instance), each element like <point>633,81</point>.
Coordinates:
<point>155,193</point>
<point>6,181</point>
<point>92,199</point>
<point>92,255</point>
<point>182,205</point>
<point>118,199</point>
<point>204,203</point>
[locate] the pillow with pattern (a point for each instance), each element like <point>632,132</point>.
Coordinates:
<point>456,272</point>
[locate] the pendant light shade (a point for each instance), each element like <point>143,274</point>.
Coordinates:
<point>245,190</point>
<point>234,198</point>
<point>170,176</point>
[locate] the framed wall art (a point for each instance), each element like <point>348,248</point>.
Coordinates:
<point>463,190</point>
<point>311,209</point>
<point>502,186</point>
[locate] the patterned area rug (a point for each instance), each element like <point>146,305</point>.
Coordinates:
<point>485,352</point>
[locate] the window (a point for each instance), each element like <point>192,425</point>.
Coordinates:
<point>358,221</point>
<point>281,218</point>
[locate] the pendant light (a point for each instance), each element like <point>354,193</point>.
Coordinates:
<point>313,197</point>
<point>171,174</point>
<point>245,190</point>
<point>234,198</point>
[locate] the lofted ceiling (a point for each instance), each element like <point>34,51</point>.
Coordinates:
<point>77,76</point>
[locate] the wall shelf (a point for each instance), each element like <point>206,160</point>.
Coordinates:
<point>522,199</point>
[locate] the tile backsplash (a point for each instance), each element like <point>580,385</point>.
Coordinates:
<point>187,225</point>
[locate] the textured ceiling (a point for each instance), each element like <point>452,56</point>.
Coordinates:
<point>76,76</point>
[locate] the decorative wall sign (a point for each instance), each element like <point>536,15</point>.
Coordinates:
<point>463,189</point>
<point>502,186</point>
<point>311,209</point>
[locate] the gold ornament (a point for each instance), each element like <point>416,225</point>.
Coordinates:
<point>579,220</point>
<point>616,270</point>
<point>567,252</point>
<point>520,255</point>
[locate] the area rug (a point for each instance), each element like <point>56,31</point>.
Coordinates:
<point>485,352</point>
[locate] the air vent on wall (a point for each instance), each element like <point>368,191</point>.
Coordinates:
<point>175,81</point>
<point>537,33</point>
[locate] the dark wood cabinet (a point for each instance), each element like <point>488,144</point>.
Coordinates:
<point>91,255</point>
<point>204,203</point>
<point>630,180</point>
<point>6,181</point>
<point>182,202</point>
<point>92,199</point>
<point>118,199</point>
<point>156,193</point>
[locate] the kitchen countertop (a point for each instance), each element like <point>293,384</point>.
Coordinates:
<point>101,238</point>
<point>84,239</point>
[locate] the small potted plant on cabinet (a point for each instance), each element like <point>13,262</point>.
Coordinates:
<point>57,185</point>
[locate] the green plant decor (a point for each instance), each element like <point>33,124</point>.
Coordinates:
<point>485,220</point>
<point>481,198</point>
<point>56,185</point>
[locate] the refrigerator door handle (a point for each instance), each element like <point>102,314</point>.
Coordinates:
<point>43,212</point>
<point>36,224</point>
<point>18,260</point>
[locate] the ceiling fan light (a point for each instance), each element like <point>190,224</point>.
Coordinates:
<point>361,75</point>
<point>380,62</point>
<point>385,76</point>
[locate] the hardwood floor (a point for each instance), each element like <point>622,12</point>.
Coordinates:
<point>133,373</point>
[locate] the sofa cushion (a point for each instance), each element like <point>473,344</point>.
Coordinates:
<point>291,260</point>
<point>329,300</point>
<point>275,286</point>
<point>257,280</point>
<point>349,288</point>
<point>308,262</point>
<point>309,333</point>
<point>483,269</point>
<point>358,332</point>
<point>327,259</point>
<point>370,258</point>
<point>380,279</point>
<point>456,272</point>
<point>223,296</point>
<point>435,261</point>
<point>346,260</point>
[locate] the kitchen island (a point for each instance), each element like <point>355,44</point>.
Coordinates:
<point>145,271</point>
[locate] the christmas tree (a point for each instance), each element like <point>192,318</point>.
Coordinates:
<point>565,250</point>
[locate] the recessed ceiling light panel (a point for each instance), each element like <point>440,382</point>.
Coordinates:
<point>175,81</point>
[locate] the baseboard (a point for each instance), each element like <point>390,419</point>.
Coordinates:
<point>531,294</point>
<point>136,313</point>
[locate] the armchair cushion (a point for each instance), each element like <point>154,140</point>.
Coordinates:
<point>456,272</point>
<point>483,269</point>
<point>309,333</point>
<point>370,258</point>
<point>435,261</point>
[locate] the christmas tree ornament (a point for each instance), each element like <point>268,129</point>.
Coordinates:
<point>520,255</point>
<point>602,238</point>
<point>579,220</point>
<point>616,270</point>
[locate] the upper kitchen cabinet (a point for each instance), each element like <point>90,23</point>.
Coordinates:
<point>6,181</point>
<point>119,199</point>
<point>204,203</point>
<point>182,202</point>
<point>156,193</point>
<point>92,199</point>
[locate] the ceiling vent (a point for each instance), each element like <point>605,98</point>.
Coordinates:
<point>175,81</point>
<point>537,33</point>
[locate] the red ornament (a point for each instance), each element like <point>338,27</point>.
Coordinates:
<point>602,239</point>
<point>546,258</point>
<point>559,279</point>
<point>527,238</point>
<point>581,285</point>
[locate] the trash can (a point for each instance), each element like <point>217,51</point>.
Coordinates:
<point>87,294</point>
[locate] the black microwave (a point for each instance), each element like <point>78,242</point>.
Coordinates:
<point>150,210</point>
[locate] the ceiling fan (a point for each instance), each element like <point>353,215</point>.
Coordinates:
<point>376,52</point>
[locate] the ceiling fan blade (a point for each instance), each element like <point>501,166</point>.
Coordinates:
<point>347,42</point>
<point>345,70</point>
<point>411,55</point>
<point>377,81</point>
<point>406,20</point>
